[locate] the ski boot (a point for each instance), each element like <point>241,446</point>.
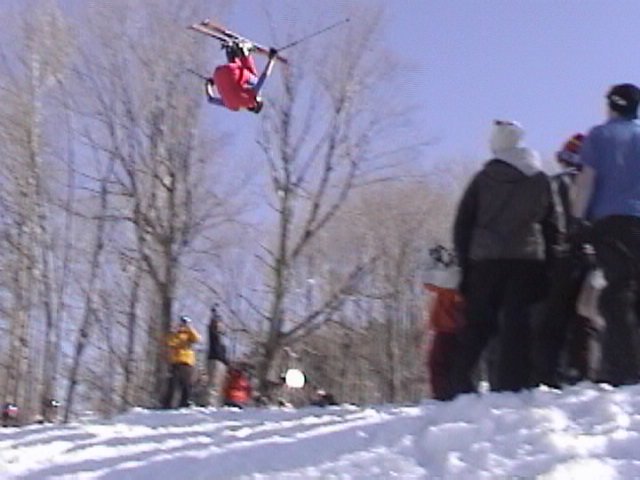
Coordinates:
<point>245,47</point>
<point>209,90</point>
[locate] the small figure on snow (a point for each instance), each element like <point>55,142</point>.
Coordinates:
<point>216,357</point>
<point>444,314</point>
<point>237,82</point>
<point>322,398</point>
<point>237,391</point>
<point>10,412</point>
<point>50,410</point>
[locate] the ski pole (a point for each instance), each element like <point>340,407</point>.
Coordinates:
<point>199,75</point>
<point>289,45</point>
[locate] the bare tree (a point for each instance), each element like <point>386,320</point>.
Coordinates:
<point>373,349</point>
<point>26,117</point>
<point>116,209</point>
<point>90,308</point>
<point>164,188</point>
<point>322,138</point>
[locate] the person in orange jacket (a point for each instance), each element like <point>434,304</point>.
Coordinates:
<point>444,315</point>
<point>237,391</point>
<point>182,360</point>
<point>237,81</point>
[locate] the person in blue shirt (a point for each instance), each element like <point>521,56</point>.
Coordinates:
<point>607,195</point>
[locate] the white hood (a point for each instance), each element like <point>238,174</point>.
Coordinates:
<point>504,142</point>
<point>524,159</point>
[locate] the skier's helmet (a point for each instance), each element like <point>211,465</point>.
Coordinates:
<point>231,50</point>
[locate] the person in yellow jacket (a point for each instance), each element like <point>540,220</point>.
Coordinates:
<point>182,360</point>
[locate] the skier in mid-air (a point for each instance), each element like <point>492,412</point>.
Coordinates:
<point>237,82</point>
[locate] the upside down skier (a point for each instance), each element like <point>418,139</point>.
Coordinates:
<point>237,82</point>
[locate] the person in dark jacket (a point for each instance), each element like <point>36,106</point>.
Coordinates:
<point>216,356</point>
<point>502,233</point>
<point>608,196</point>
<point>563,334</point>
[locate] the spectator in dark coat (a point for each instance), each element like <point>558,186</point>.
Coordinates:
<point>608,195</point>
<point>563,334</point>
<point>216,356</point>
<point>502,231</point>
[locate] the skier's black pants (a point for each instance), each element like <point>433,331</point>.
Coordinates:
<point>559,316</point>
<point>617,243</point>
<point>500,295</point>
<point>180,377</point>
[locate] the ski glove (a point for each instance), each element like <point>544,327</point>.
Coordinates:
<point>579,231</point>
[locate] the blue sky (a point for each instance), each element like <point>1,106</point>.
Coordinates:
<point>545,63</point>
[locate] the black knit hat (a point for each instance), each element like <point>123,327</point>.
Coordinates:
<point>624,99</point>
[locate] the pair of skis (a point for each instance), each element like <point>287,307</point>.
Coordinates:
<point>224,35</point>
<point>227,36</point>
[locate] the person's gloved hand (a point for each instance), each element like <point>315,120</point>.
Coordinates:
<point>272,53</point>
<point>578,231</point>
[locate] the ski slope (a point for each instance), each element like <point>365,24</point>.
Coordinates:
<point>586,431</point>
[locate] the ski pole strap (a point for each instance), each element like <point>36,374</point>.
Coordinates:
<point>296,42</point>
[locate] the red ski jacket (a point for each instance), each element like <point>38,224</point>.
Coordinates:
<point>232,82</point>
<point>445,311</point>
<point>237,388</point>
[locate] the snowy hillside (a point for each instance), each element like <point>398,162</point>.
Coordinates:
<point>587,431</point>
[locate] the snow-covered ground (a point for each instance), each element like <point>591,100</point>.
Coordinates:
<point>586,431</point>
